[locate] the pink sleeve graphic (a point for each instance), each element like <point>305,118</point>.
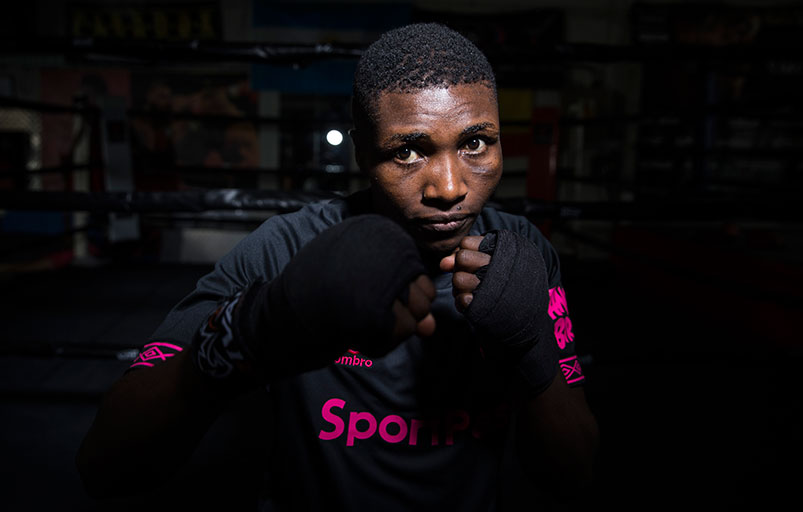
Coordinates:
<point>559,312</point>
<point>557,303</point>
<point>155,353</point>
<point>563,331</point>
<point>571,369</point>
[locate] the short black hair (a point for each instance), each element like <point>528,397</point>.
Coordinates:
<point>415,57</point>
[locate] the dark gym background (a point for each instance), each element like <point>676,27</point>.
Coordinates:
<point>658,144</point>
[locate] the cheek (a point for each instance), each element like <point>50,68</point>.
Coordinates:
<point>484,180</point>
<point>400,189</point>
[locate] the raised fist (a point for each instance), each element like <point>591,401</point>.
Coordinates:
<point>360,284</point>
<point>500,283</point>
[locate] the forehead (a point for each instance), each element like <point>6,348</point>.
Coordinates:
<point>436,109</point>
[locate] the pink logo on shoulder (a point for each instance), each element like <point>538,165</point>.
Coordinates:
<point>559,312</point>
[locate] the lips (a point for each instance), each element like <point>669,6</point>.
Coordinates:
<point>442,223</point>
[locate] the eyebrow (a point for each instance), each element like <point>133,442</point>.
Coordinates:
<point>476,128</point>
<point>419,136</point>
<point>405,137</point>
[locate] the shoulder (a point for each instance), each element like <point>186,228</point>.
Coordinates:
<point>260,256</point>
<point>296,228</point>
<point>299,227</point>
<point>263,253</point>
<point>492,219</point>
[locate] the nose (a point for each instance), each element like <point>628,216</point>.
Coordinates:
<point>445,181</point>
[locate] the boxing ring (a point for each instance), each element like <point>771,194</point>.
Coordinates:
<point>668,307</point>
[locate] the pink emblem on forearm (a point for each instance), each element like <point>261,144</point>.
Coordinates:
<point>571,369</point>
<point>155,353</point>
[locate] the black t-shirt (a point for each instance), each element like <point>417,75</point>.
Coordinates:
<point>422,428</point>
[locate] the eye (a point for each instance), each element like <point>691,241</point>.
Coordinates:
<point>405,155</point>
<point>475,145</point>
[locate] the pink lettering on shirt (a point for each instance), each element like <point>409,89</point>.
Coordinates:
<point>354,359</point>
<point>445,430</point>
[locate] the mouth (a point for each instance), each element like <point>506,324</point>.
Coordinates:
<point>442,224</point>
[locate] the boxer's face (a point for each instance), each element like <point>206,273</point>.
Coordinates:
<point>434,160</point>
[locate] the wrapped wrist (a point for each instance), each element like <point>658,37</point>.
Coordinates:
<point>509,312</point>
<point>217,351</point>
<point>536,369</point>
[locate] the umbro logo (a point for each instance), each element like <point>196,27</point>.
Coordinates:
<point>353,358</point>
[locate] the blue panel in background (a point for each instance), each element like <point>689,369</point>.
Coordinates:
<point>33,222</point>
<point>326,77</point>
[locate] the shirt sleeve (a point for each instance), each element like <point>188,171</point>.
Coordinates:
<point>564,337</point>
<point>563,334</point>
<point>183,322</point>
<point>259,257</point>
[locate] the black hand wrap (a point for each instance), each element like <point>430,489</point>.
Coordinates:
<point>509,311</point>
<point>336,293</point>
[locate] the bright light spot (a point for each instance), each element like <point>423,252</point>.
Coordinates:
<point>334,137</point>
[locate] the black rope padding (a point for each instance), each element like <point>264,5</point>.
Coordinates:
<point>288,201</point>
<point>145,51</point>
<point>145,202</point>
<point>195,50</point>
<point>653,210</point>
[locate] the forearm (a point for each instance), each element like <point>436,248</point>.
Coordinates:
<point>557,438</point>
<point>147,426</point>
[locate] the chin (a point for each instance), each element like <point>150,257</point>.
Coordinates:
<point>440,248</point>
<point>438,245</point>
